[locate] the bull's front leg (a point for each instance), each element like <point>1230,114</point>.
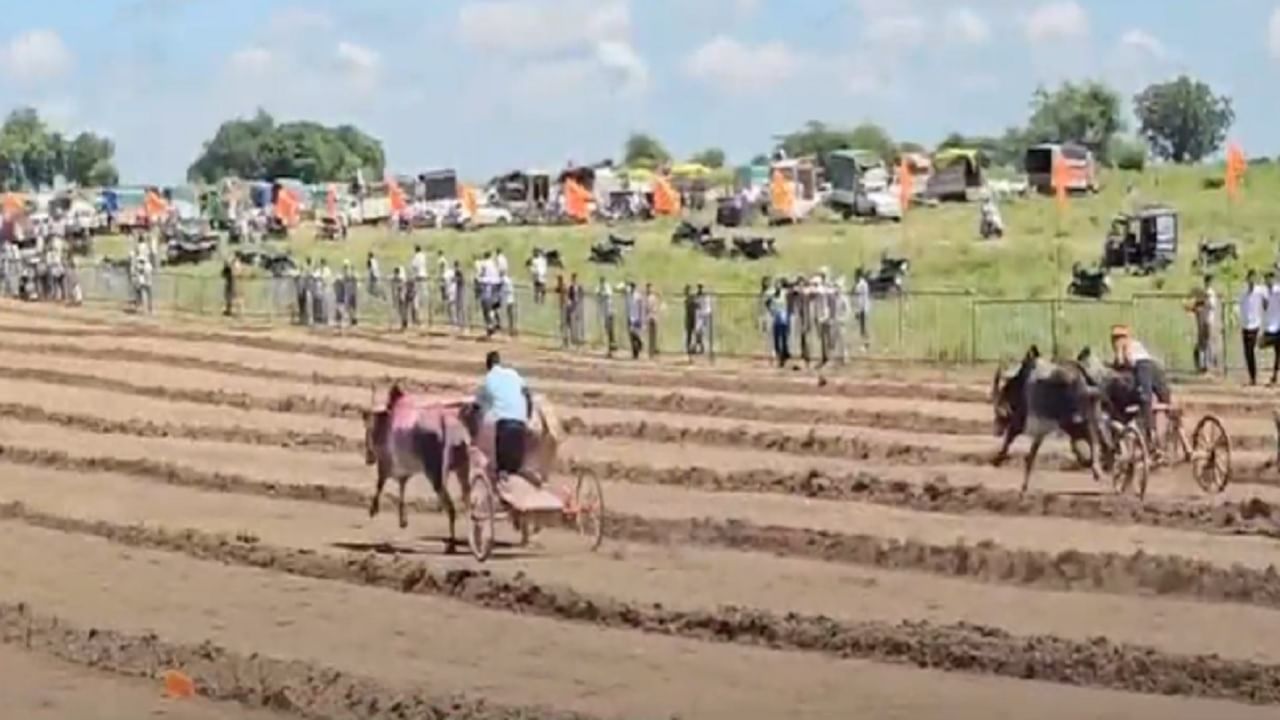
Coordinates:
<point>1031,461</point>
<point>377,494</point>
<point>404,515</point>
<point>1003,454</point>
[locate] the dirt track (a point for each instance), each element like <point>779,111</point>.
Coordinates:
<point>857,532</point>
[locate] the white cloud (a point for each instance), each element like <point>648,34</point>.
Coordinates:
<point>542,26</point>
<point>1057,21</point>
<point>896,30</point>
<point>738,68</point>
<point>629,72</point>
<point>1273,34</point>
<point>250,61</point>
<point>357,58</point>
<point>1143,43</point>
<point>36,56</point>
<point>966,26</point>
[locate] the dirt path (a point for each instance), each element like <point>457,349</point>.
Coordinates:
<point>36,687</point>
<point>676,577</point>
<point>507,658</point>
<point>1050,535</point>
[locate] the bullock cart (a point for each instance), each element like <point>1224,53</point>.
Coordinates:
<point>536,497</point>
<point>1207,450</point>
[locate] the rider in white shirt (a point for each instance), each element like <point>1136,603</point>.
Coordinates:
<point>1252,304</point>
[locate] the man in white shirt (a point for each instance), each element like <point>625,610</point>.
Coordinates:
<point>862,306</point>
<point>538,267</point>
<point>507,291</point>
<point>418,271</point>
<point>1271,320</point>
<point>1252,304</point>
<point>500,262</point>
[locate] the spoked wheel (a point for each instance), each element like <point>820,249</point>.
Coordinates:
<point>484,514</point>
<point>1211,455</point>
<point>1130,465</point>
<point>588,509</point>
<point>1176,448</point>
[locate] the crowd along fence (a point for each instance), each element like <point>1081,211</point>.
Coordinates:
<point>943,327</point>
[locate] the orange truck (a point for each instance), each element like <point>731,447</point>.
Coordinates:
<point>1081,168</point>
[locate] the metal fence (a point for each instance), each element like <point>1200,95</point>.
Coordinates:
<point>923,326</point>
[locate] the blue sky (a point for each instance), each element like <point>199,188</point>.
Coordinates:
<point>487,85</point>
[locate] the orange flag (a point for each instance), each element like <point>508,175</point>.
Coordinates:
<point>666,201</point>
<point>12,205</point>
<point>1236,166</point>
<point>287,207</point>
<point>1060,180</point>
<point>781,195</point>
<point>331,201</point>
<point>906,183</point>
<point>398,203</point>
<point>155,205</point>
<point>576,199</point>
<point>469,202</point>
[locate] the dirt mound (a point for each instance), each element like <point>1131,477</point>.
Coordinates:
<point>297,687</point>
<point>1252,517</point>
<point>959,647</point>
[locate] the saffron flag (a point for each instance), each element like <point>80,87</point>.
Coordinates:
<point>666,201</point>
<point>1236,166</point>
<point>469,202</point>
<point>12,205</point>
<point>154,205</point>
<point>287,207</point>
<point>396,195</point>
<point>1061,180</point>
<point>782,198</point>
<point>906,183</point>
<point>576,200</point>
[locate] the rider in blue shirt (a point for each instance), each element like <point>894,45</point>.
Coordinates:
<point>504,396</point>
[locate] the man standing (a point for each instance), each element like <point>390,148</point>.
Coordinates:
<point>401,290</point>
<point>538,268</point>
<point>504,397</point>
<point>418,270</point>
<point>1271,333</point>
<point>604,301</point>
<point>1204,308</point>
<point>704,342</point>
<point>690,315</point>
<point>780,318</point>
<point>508,292</point>
<point>1252,303</point>
<point>635,319</point>
<point>375,276</point>
<point>862,307</point>
<point>578,311</point>
<point>652,310</point>
<point>351,293</point>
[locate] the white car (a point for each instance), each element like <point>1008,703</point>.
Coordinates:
<point>485,216</point>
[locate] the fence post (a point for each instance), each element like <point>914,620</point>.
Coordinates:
<point>973,330</point>
<point>902,298</point>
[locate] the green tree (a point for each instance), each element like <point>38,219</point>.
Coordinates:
<point>1182,120</point>
<point>88,161</point>
<point>869,136</point>
<point>644,151</point>
<point>259,148</point>
<point>1086,113</point>
<point>1128,153</point>
<point>819,140</point>
<point>29,152</point>
<point>711,157</point>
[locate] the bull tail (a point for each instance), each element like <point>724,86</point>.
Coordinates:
<point>551,426</point>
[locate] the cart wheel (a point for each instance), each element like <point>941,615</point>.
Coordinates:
<point>1130,465</point>
<point>588,509</point>
<point>484,511</point>
<point>1211,455</point>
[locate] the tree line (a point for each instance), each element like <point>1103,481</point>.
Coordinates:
<point>1182,121</point>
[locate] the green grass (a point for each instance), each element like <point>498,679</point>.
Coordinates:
<point>1032,263</point>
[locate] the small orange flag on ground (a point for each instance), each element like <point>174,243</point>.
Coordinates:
<point>906,183</point>
<point>331,201</point>
<point>1061,180</point>
<point>469,201</point>
<point>576,200</point>
<point>1236,167</point>
<point>178,685</point>
<point>666,201</point>
<point>782,198</point>
<point>398,203</point>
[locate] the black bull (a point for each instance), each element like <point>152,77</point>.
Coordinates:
<point>1044,397</point>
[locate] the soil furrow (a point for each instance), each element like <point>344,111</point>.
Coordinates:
<point>606,373</point>
<point>1251,517</point>
<point>1137,573</point>
<point>960,647</point>
<point>301,688</point>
